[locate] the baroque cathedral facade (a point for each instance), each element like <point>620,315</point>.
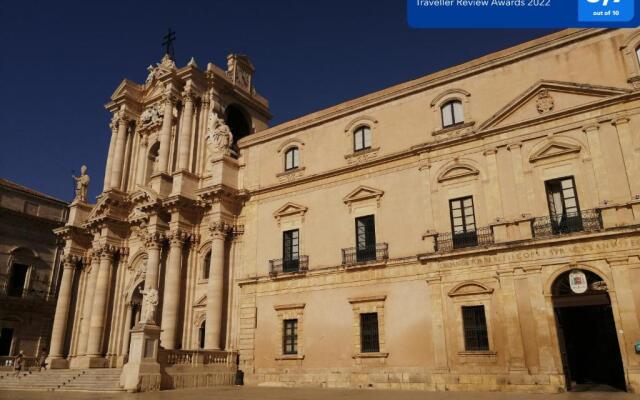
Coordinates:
<point>473,229</point>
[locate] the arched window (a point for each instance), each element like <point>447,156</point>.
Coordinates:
<point>291,159</point>
<point>206,265</point>
<point>362,138</point>
<point>452,113</point>
<point>239,124</point>
<point>201,331</point>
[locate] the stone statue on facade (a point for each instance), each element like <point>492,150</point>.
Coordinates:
<point>219,136</point>
<point>151,116</point>
<point>165,65</point>
<point>82,185</point>
<point>150,303</point>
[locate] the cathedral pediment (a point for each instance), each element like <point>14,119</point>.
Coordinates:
<point>127,89</point>
<point>549,98</point>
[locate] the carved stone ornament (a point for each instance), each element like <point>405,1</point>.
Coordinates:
<point>164,66</point>
<point>544,102</point>
<point>151,117</point>
<point>150,303</point>
<point>219,136</point>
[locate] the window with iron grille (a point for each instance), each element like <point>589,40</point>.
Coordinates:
<point>290,336</point>
<point>362,138</point>
<point>291,250</point>
<point>564,208</point>
<point>463,222</point>
<point>369,340</point>
<point>452,113</point>
<point>475,328</point>
<point>365,238</point>
<point>291,159</point>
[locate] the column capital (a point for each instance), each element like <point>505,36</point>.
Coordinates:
<point>153,240</point>
<point>620,120</point>
<point>514,146</point>
<point>489,152</point>
<point>220,229</point>
<point>178,237</point>
<point>590,127</point>
<point>188,95</point>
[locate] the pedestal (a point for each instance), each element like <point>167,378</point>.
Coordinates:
<point>161,183</point>
<point>142,372</point>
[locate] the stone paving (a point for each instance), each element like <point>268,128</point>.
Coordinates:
<point>264,393</point>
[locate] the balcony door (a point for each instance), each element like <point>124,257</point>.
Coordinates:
<point>365,238</point>
<point>17,280</point>
<point>564,209</point>
<point>291,250</point>
<point>463,222</point>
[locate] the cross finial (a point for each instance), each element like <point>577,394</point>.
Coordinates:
<point>169,38</point>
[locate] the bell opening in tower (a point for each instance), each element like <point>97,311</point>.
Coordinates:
<point>236,119</point>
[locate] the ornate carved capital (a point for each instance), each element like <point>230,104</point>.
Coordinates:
<point>153,241</point>
<point>107,252</point>
<point>70,260</point>
<point>178,238</point>
<point>188,96</point>
<point>220,229</point>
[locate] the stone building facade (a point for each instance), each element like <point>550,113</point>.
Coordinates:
<point>476,228</point>
<point>30,262</point>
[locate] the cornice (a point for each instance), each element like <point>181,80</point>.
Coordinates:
<point>490,61</point>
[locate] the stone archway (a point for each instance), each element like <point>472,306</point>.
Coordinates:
<point>587,334</point>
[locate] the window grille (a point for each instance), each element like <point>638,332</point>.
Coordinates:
<point>475,328</point>
<point>290,336</point>
<point>369,340</point>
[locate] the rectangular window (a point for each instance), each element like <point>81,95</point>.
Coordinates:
<point>362,138</point>
<point>369,341</point>
<point>463,222</point>
<point>291,250</point>
<point>475,328</point>
<point>290,336</point>
<point>365,238</point>
<point>17,280</point>
<point>564,209</point>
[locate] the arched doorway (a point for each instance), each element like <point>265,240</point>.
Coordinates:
<point>587,332</point>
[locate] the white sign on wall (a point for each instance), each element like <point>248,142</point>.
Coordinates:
<point>578,281</point>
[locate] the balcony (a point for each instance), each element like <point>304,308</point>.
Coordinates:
<point>26,294</point>
<point>446,242</point>
<point>358,255</point>
<point>288,266</point>
<point>562,224</point>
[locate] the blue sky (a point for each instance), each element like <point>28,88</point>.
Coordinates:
<point>61,60</point>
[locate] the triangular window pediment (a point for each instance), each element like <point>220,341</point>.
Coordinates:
<point>548,98</point>
<point>554,149</point>
<point>290,209</point>
<point>458,171</point>
<point>363,193</point>
<point>201,302</point>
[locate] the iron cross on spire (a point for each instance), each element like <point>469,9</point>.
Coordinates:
<point>169,38</point>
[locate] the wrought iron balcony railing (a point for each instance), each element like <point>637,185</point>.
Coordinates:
<point>560,224</point>
<point>450,241</point>
<point>356,255</point>
<point>285,266</point>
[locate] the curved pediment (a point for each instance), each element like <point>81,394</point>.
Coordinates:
<point>469,288</point>
<point>290,209</point>
<point>201,302</point>
<point>549,98</point>
<point>457,171</point>
<point>553,149</point>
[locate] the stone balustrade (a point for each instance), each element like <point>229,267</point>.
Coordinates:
<point>195,358</point>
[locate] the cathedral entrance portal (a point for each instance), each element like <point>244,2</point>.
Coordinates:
<point>587,332</point>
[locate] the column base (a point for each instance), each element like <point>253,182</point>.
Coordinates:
<point>57,363</point>
<point>83,362</point>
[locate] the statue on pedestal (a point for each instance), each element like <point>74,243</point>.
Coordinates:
<point>219,136</point>
<point>82,185</point>
<point>149,304</point>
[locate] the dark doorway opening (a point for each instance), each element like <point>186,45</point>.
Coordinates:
<point>587,335</point>
<point>6,336</point>
<point>17,280</point>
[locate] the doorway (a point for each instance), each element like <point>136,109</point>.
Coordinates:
<point>6,337</point>
<point>587,333</point>
<point>17,280</point>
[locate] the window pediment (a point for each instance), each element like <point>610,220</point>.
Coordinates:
<point>553,149</point>
<point>362,193</point>
<point>469,288</point>
<point>290,209</point>
<point>457,171</point>
<point>201,302</point>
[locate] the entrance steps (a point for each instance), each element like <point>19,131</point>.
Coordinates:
<point>91,380</point>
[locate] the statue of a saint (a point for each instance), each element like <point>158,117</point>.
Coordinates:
<point>219,135</point>
<point>82,185</point>
<point>150,302</point>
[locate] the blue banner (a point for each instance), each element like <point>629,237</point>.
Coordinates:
<point>523,13</point>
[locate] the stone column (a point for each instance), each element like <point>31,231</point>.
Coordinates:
<point>88,303</point>
<point>100,298</point>
<point>516,159</point>
<point>154,247</point>
<point>142,160</point>
<point>629,153</point>
<point>127,330</point>
<point>185,131</point>
<point>493,194</point>
<point>439,337</point>
<point>171,295</point>
<point>593,137</point>
<point>165,131</point>
<point>215,287</point>
<point>509,305</point>
<point>62,309</point>
<point>117,165</point>
<point>112,145</point>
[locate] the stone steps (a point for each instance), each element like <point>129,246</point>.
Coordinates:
<point>95,380</point>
